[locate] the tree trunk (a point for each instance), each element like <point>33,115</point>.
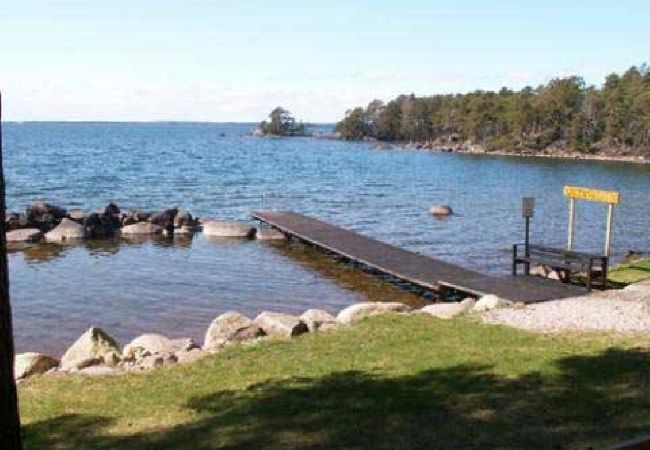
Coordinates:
<point>9,419</point>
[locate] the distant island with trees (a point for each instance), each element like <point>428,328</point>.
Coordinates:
<point>281,123</point>
<point>564,115</point>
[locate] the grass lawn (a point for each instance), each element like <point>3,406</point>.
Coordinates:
<point>386,383</point>
<point>631,272</point>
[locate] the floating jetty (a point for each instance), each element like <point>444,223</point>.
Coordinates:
<point>421,271</point>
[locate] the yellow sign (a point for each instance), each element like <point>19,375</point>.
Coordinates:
<point>593,195</point>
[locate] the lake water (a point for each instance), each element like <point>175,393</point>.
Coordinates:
<point>216,170</point>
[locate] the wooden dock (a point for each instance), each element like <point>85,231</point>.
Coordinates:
<point>419,270</point>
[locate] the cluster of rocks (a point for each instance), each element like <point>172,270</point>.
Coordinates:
<point>46,222</point>
<point>97,353</point>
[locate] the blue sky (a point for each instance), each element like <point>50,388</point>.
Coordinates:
<point>235,60</point>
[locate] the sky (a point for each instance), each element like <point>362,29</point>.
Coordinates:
<point>218,61</point>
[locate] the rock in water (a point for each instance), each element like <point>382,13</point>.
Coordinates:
<point>362,310</point>
<point>280,324</point>
<point>24,235</point>
<point>99,226</point>
<point>183,218</point>
<point>315,318</point>
<point>230,328</point>
<point>92,346</point>
<point>77,215</point>
<point>15,221</point>
<point>165,219</point>
<point>142,228</point>
<point>111,210</point>
<point>156,344</point>
<point>441,210</point>
<point>270,234</point>
<point>228,228</point>
<point>37,210</point>
<point>67,230</point>
<point>28,364</point>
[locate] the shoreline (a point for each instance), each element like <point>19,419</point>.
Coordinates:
<point>553,154</point>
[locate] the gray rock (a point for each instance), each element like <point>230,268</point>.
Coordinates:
<point>362,310</point>
<point>185,229</point>
<point>315,318</point>
<point>228,228</point>
<point>142,228</point>
<point>24,235</point>
<point>441,210</point>
<point>445,310</point>
<point>14,221</point>
<point>156,361</point>
<point>488,302</point>
<point>67,230</point>
<point>28,364</point>
<point>93,344</point>
<point>269,234</point>
<point>156,344</point>
<point>230,328</point>
<point>77,215</point>
<point>111,210</point>
<point>183,218</point>
<point>280,324</point>
<point>37,210</point>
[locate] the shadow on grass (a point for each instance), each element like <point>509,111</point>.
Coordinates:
<point>591,401</point>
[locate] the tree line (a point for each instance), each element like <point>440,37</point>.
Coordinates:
<point>564,113</point>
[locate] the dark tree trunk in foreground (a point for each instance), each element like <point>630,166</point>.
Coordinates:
<point>9,419</point>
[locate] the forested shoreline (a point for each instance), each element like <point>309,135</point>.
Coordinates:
<point>563,115</point>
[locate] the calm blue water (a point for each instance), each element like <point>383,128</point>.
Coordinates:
<point>177,288</point>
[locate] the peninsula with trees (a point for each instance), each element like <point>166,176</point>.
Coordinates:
<point>560,118</point>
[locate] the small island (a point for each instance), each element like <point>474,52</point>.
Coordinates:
<point>280,123</point>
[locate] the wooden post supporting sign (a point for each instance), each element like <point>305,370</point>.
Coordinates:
<point>593,195</point>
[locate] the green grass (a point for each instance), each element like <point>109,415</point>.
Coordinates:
<point>386,383</point>
<point>630,273</point>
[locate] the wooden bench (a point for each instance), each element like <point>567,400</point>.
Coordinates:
<point>565,262</point>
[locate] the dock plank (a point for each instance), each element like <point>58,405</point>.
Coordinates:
<point>420,270</point>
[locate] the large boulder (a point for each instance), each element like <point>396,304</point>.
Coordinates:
<point>89,349</point>
<point>315,318</point>
<point>441,210</point>
<point>183,218</point>
<point>77,215</point>
<point>165,219</point>
<point>98,226</point>
<point>230,328</point>
<point>270,234</point>
<point>14,221</point>
<point>156,344</point>
<point>488,302</point>
<point>37,210</point>
<point>280,324</point>
<point>190,356</point>
<point>111,210</point>
<point>67,230</point>
<point>228,228</point>
<point>24,235</point>
<point>362,310</point>
<point>448,310</point>
<point>28,364</point>
<point>141,228</point>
